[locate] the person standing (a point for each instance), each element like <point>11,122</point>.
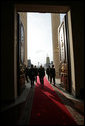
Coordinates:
<point>48,72</point>
<point>52,74</point>
<point>32,75</point>
<point>41,73</point>
<point>26,74</point>
<point>36,73</point>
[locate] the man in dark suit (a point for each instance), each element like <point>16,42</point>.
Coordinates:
<point>32,75</point>
<point>41,72</point>
<point>36,73</point>
<point>52,74</point>
<point>48,72</point>
<point>26,74</point>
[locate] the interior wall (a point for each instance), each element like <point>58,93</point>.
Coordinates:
<point>77,15</point>
<point>7,53</point>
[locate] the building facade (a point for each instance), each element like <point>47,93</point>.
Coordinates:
<point>29,63</point>
<point>23,18</point>
<point>55,18</point>
<point>21,59</point>
<point>62,41</point>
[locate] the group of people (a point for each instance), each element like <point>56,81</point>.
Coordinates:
<point>50,71</point>
<point>33,72</point>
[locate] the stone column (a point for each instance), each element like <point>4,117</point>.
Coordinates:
<point>55,18</point>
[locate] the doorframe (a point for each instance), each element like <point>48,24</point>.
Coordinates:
<point>50,9</point>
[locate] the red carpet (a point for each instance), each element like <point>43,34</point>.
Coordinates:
<point>47,108</point>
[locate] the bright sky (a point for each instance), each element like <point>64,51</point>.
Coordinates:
<point>62,16</point>
<point>39,37</point>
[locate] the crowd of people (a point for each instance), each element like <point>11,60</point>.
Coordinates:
<point>33,72</point>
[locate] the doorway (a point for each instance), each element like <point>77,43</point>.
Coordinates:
<point>65,10</point>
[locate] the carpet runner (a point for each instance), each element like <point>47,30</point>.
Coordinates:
<point>47,108</point>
